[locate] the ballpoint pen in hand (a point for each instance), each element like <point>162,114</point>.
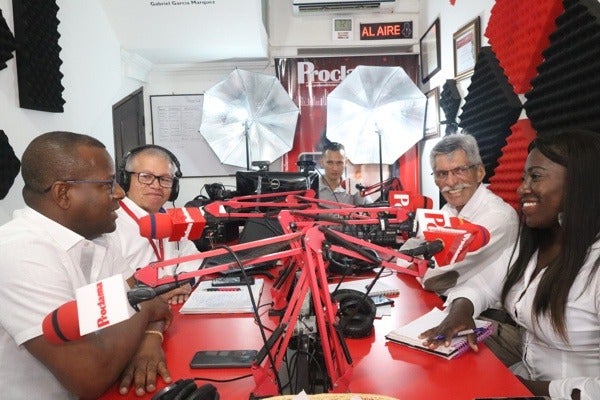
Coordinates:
<point>462,333</point>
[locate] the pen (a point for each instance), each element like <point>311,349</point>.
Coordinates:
<point>462,333</point>
<point>236,289</point>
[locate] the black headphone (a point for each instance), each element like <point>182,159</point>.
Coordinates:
<point>345,265</point>
<point>356,312</point>
<point>124,176</point>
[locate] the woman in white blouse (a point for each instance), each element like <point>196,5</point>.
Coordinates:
<point>550,282</point>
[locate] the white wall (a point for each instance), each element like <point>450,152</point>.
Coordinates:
<point>92,80</point>
<point>452,18</point>
<point>310,30</point>
<point>196,80</point>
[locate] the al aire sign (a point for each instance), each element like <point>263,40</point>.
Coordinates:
<point>386,30</point>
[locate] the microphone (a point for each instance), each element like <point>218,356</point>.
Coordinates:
<point>63,324</point>
<point>175,225</point>
<point>425,249</point>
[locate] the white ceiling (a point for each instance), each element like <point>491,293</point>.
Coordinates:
<point>188,31</point>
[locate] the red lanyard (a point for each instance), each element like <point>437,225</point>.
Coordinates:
<point>158,251</point>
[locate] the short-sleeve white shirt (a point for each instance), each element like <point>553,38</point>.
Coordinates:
<point>40,270</point>
<point>498,217</point>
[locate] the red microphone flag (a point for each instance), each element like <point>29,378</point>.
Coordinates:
<point>459,239</point>
<point>481,236</point>
<point>409,200</point>
<point>188,223</point>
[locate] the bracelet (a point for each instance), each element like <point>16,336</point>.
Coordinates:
<point>159,333</point>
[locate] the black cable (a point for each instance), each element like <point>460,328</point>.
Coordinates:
<point>255,311</point>
<point>199,378</point>
<point>178,255</point>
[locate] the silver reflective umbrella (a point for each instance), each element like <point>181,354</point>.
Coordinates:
<point>248,117</point>
<point>377,113</point>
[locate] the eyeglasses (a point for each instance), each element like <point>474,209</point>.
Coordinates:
<point>112,182</point>
<point>459,172</point>
<point>148,179</point>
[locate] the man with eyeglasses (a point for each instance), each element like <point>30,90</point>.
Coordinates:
<point>56,244</point>
<point>150,175</point>
<point>458,172</point>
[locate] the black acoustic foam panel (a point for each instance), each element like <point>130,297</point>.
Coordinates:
<point>38,60</point>
<point>491,108</point>
<point>450,103</point>
<point>566,92</point>
<point>7,42</point>
<point>9,165</point>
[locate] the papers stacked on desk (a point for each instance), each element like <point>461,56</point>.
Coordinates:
<point>207,299</point>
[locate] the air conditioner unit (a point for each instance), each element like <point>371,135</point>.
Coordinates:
<point>343,6</point>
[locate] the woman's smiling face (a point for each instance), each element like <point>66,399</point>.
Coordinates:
<point>542,191</point>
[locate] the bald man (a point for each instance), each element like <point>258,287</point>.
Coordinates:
<point>71,199</point>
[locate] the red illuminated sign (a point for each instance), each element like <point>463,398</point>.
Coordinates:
<point>387,30</point>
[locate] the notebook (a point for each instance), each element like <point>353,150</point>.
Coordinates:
<point>380,288</point>
<point>409,334</point>
<point>207,299</point>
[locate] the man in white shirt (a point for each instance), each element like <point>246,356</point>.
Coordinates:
<point>333,160</point>
<point>150,177</point>
<point>458,172</point>
<point>71,197</point>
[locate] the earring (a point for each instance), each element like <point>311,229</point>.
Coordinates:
<point>560,218</point>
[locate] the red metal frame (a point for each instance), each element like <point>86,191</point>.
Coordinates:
<point>307,257</point>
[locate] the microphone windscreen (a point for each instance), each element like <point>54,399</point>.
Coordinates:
<point>427,202</point>
<point>62,324</point>
<point>156,226</point>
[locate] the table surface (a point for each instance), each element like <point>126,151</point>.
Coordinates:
<point>380,367</point>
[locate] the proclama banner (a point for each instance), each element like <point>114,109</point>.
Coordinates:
<point>309,81</point>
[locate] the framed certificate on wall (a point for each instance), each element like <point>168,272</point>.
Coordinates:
<point>466,47</point>
<point>429,51</point>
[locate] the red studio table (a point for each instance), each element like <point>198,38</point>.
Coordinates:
<point>379,367</point>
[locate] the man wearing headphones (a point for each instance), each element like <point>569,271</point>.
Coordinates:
<point>149,175</point>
